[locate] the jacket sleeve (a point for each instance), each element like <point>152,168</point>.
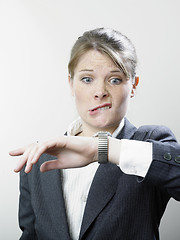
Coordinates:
<point>26,214</point>
<point>164,171</point>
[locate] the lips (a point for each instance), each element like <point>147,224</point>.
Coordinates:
<point>101,107</point>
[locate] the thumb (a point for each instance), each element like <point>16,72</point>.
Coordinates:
<point>50,165</point>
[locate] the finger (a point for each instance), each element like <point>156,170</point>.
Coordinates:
<point>32,152</point>
<point>23,160</point>
<point>28,167</point>
<point>52,147</point>
<point>51,165</point>
<point>17,152</point>
<point>37,154</point>
<point>21,163</point>
<point>31,155</point>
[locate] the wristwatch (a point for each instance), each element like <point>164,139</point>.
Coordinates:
<point>102,146</point>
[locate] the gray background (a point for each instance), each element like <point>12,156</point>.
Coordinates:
<point>35,40</point>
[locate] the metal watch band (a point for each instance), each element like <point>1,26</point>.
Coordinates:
<point>103,146</point>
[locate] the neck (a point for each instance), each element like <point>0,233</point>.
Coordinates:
<point>90,131</point>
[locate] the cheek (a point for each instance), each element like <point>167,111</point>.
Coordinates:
<point>79,94</point>
<point>82,92</point>
<point>80,99</point>
<point>124,94</point>
<point>123,97</point>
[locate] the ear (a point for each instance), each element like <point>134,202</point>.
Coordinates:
<point>134,86</point>
<point>70,80</point>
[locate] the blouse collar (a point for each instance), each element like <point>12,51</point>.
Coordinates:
<point>76,127</point>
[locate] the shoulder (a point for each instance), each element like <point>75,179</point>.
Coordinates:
<point>146,132</point>
<point>154,132</point>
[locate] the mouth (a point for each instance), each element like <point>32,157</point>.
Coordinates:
<point>100,108</point>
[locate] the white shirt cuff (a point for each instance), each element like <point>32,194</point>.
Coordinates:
<point>135,157</point>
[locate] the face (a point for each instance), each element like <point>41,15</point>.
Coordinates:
<point>101,92</point>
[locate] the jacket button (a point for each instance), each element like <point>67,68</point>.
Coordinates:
<point>168,157</point>
<point>177,159</point>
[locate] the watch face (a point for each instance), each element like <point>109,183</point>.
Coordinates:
<point>102,133</point>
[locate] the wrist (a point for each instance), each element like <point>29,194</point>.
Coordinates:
<point>103,143</point>
<point>114,150</point>
<point>95,149</point>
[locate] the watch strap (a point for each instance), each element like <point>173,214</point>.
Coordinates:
<point>103,143</point>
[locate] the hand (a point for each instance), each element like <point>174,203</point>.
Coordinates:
<point>70,152</point>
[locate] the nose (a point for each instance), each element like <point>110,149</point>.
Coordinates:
<point>101,91</point>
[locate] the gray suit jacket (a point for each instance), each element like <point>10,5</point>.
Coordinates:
<point>119,206</point>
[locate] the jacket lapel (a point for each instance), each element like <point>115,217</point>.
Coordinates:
<point>104,184</point>
<point>51,184</point>
<point>101,192</point>
<point>127,131</point>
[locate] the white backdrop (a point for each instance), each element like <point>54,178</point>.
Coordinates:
<point>35,41</point>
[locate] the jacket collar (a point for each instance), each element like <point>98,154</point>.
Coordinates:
<point>127,131</point>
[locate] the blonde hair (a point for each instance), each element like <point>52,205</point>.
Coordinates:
<point>116,45</point>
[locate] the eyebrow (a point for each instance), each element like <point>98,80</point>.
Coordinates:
<point>116,71</point>
<point>91,70</point>
<point>86,70</point>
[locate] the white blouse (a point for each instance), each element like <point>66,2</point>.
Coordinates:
<point>76,182</point>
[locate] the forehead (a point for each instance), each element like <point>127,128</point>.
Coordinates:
<point>94,59</point>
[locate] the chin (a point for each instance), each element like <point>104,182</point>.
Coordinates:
<point>105,125</point>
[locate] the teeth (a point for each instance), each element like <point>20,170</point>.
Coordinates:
<point>103,108</point>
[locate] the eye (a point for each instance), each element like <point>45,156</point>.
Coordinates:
<point>115,81</point>
<point>87,80</point>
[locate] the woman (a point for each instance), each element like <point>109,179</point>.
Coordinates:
<point>110,180</point>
